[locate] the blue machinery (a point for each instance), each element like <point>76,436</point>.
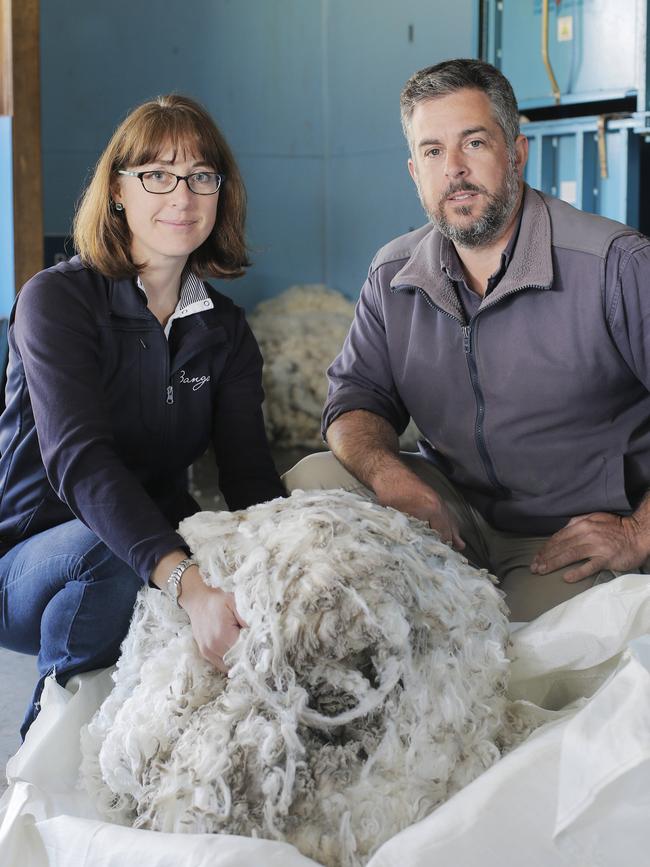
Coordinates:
<point>581,75</point>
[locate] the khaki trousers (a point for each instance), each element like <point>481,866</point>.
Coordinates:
<point>506,555</point>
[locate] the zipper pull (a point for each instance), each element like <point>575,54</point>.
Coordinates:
<point>467,339</point>
<point>170,394</point>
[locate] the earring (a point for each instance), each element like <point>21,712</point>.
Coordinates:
<point>119,206</point>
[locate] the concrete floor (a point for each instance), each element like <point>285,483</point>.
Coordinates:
<point>17,678</point>
<point>18,673</point>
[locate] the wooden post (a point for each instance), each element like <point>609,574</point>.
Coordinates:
<point>20,97</point>
<point>6,76</point>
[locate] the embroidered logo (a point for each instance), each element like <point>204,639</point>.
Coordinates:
<point>195,381</point>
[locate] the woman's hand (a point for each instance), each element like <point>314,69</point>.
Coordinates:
<point>214,617</point>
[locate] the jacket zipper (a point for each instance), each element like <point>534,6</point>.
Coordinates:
<point>169,392</point>
<point>479,438</point>
<point>479,434</point>
<point>478,393</point>
<point>169,398</point>
<point>169,389</point>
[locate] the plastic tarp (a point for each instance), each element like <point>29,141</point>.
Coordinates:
<point>575,793</point>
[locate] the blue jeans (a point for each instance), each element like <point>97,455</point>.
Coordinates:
<point>67,598</point>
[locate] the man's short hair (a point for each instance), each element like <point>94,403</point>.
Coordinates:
<point>453,75</point>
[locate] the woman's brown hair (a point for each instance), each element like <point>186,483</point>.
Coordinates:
<point>101,233</point>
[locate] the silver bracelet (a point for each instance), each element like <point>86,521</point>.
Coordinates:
<point>174,586</point>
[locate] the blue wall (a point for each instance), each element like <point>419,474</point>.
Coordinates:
<point>6,218</point>
<point>306,91</point>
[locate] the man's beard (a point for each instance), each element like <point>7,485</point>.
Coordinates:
<point>486,228</point>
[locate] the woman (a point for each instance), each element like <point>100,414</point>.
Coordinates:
<point>123,366</point>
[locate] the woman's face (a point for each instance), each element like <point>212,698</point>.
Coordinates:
<point>166,228</point>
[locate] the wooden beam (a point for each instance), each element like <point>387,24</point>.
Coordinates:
<point>6,74</point>
<point>24,100</point>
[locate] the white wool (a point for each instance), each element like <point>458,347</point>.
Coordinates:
<point>300,332</point>
<point>368,688</point>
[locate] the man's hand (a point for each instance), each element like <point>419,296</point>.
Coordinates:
<point>368,447</point>
<point>414,497</point>
<point>602,540</point>
<point>213,615</point>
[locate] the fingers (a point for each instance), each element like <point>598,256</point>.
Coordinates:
<point>590,567</point>
<point>445,523</point>
<point>239,620</point>
<point>221,643</point>
<point>575,528</point>
<point>218,663</point>
<point>578,518</point>
<point>457,542</point>
<point>567,546</point>
<point>558,557</point>
<point>588,544</point>
<point>449,535</point>
<point>214,652</point>
<point>454,532</point>
<point>584,565</point>
<point>216,625</point>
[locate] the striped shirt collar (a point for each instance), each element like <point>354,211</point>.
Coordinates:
<point>193,298</point>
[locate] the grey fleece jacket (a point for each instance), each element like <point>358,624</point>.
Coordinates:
<point>538,407</point>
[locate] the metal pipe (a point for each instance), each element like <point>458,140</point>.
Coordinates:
<point>602,145</point>
<point>547,63</point>
<point>602,139</point>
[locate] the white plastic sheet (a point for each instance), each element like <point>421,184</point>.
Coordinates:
<point>576,793</point>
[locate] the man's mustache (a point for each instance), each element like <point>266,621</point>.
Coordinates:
<point>462,187</point>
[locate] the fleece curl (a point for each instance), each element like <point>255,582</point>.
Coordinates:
<point>369,686</point>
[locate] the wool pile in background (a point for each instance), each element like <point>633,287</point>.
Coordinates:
<point>300,332</point>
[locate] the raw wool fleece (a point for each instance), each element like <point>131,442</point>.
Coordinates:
<point>300,332</point>
<point>368,688</point>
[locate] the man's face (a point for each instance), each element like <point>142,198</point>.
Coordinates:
<point>468,181</point>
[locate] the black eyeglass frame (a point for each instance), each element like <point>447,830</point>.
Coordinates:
<point>179,178</point>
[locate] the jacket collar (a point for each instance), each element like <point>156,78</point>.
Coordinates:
<point>531,265</point>
<point>128,297</point>
<point>195,333</point>
<point>193,297</point>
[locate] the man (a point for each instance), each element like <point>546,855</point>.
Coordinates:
<point>511,328</point>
